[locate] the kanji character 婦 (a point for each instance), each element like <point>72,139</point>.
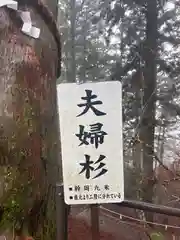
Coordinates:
<point>94,136</point>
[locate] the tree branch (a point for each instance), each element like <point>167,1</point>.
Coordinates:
<point>169,39</point>
<point>120,71</point>
<point>174,107</point>
<point>164,66</point>
<point>166,16</point>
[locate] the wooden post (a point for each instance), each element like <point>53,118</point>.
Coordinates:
<point>95,221</point>
<point>61,214</point>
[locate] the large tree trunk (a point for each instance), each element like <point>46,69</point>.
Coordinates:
<point>73,11</point>
<point>148,118</point>
<point>29,140</point>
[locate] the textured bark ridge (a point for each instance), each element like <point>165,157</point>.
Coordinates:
<point>29,142</point>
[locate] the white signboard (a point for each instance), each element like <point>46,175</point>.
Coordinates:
<point>91,138</point>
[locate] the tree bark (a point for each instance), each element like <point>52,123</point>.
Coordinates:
<point>29,139</point>
<point>148,118</point>
<point>73,45</point>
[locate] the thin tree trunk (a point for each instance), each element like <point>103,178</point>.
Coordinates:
<point>29,120</point>
<point>148,119</point>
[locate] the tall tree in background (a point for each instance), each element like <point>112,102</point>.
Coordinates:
<point>83,51</point>
<point>137,69</point>
<point>128,41</point>
<point>147,127</point>
<point>142,31</point>
<point>29,140</point>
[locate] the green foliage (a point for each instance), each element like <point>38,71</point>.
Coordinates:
<point>14,210</point>
<point>157,236</point>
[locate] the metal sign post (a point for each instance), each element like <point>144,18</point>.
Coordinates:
<point>61,214</point>
<point>95,221</point>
